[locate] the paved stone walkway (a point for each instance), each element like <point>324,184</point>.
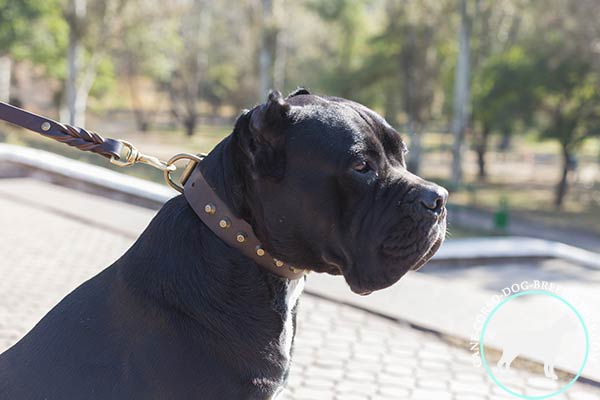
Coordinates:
<point>341,352</point>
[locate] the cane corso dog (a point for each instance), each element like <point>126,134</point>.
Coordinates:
<point>323,183</point>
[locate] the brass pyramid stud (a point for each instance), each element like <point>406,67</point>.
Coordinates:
<point>210,209</point>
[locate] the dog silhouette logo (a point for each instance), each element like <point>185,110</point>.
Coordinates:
<point>543,328</point>
<point>542,343</point>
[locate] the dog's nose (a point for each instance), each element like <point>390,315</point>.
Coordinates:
<point>433,198</point>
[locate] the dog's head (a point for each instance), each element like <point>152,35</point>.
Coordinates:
<point>328,190</point>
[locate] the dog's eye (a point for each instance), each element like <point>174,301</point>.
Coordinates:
<point>362,166</point>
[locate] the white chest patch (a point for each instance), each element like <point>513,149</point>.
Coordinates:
<point>287,335</point>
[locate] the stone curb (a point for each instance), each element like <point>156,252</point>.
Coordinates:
<point>33,159</point>
<point>514,248</point>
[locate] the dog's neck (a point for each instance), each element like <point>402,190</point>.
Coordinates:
<point>223,296</point>
<point>224,168</point>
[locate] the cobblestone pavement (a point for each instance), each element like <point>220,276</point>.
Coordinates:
<point>341,352</point>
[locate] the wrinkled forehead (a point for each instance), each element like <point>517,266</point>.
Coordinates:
<point>340,127</point>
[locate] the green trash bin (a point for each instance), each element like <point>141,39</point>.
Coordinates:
<point>501,216</point>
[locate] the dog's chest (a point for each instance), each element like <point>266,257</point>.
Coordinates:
<point>291,299</point>
<point>286,338</point>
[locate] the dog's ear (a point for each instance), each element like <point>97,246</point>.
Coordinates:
<point>267,119</point>
<point>264,140</point>
<point>298,92</point>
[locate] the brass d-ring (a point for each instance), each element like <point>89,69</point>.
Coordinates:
<point>194,160</point>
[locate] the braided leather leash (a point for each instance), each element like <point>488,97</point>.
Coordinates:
<point>119,152</point>
<point>73,136</point>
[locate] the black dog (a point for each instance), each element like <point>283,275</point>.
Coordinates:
<point>182,315</point>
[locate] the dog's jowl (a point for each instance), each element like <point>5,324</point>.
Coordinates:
<point>183,315</point>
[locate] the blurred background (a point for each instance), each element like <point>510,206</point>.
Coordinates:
<point>498,99</point>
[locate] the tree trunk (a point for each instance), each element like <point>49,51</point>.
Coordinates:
<point>140,116</point>
<point>412,106</point>
<point>414,155</point>
<point>481,149</point>
<point>561,188</point>
<point>265,57</point>
<point>280,59</point>
<point>390,112</point>
<point>141,120</point>
<point>461,95</point>
<point>83,93</point>
<point>76,15</point>
<point>190,125</point>
<point>73,60</point>
<point>5,74</point>
<point>505,142</point>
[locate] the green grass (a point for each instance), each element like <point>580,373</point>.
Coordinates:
<point>533,203</point>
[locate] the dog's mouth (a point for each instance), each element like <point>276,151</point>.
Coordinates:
<point>434,248</point>
<point>438,232</point>
<point>423,251</point>
<point>393,265</point>
<point>410,247</point>
<point>403,249</point>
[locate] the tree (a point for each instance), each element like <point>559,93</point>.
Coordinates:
<point>281,45</point>
<point>569,107</point>
<point>492,28</point>
<point>495,28</point>
<point>503,98</point>
<point>461,94</point>
<point>17,23</point>
<point>346,18</point>
<point>545,86</point>
<point>402,65</point>
<point>563,43</point>
<point>268,40</point>
<point>411,32</point>
<point>191,64</point>
<point>144,55</point>
<point>94,25</point>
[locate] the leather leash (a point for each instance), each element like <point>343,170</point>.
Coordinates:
<point>73,136</point>
<point>203,199</point>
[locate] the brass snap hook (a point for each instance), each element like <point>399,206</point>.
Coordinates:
<point>134,156</point>
<point>194,160</point>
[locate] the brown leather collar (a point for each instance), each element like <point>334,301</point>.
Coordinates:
<point>236,232</point>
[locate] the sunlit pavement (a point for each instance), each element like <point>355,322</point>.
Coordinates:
<point>341,352</point>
